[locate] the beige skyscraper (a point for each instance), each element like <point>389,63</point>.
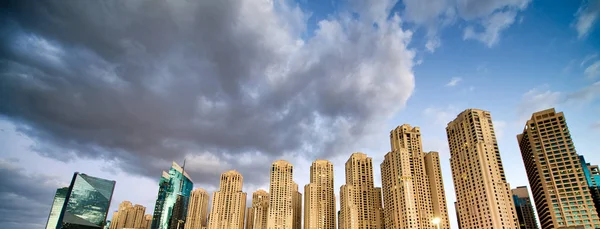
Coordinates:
<point>433,170</point>
<point>281,209</point>
<point>229,203</point>
<point>412,183</point>
<point>147,221</point>
<point>257,214</point>
<point>359,207</point>
<point>128,216</point>
<point>482,193</point>
<point>319,197</point>
<point>297,207</point>
<point>558,183</point>
<point>197,212</point>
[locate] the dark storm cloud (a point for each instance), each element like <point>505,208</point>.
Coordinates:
<point>25,199</point>
<point>147,82</point>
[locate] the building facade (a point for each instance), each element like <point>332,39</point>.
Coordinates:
<point>281,209</point>
<point>172,184</point>
<point>557,180</point>
<point>525,213</point>
<point>229,203</point>
<point>412,182</point>
<point>57,206</point>
<point>257,214</point>
<point>297,207</point>
<point>482,193</point>
<point>86,203</point>
<point>197,209</point>
<point>592,176</point>
<point>360,208</point>
<point>128,216</point>
<point>319,197</point>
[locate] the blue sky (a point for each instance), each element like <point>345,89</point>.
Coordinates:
<point>237,85</point>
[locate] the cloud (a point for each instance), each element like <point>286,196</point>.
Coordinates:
<point>593,70</point>
<point>586,17</point>
<point>542,98</point>
<point>454,81</point>
<point>25,199</point>
<point>485,19</point>
<point>588,58</point>
<point>141,83</point>
<point>441,115</point>
<point>596,125</point>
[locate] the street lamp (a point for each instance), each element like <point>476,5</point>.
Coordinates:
<point>436,221</point>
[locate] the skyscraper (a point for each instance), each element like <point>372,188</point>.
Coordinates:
<point>259,211</point>
<point>482,193</point>
<point>557,180</point>
<point>229,203</point>
<point>359,207</point>
<point>281,212</point>
<point>128,216</point>
<point>319,197</point>
<point>147,221</point>
<point>412,182</point>
<point>57,206</point>
<point>197,209</point>
<point>296,206</point>
<point>171,185</point>
<point>87,202</point>
<point>433,170</point>
<point>525,212</point>
<point>592,176</point>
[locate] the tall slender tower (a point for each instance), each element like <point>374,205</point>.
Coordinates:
<point>359,193</point>
<point>556,177</point>
<point>259,210</point>
<point>281,212</point>
<point>297,206</point>
<point>197,209</point>
<point>319,197</point>
<point>171,186</point>
<point>482,193</point>
<point>229,203</point>
<point>524,208</point>
<point>433,170</point>
<point>412,183</point>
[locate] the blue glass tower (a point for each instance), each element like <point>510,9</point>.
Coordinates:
<point>173,186</point>
<point>592,176</point>
<point>85,204</point>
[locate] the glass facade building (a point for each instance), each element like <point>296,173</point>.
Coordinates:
<point>592,176</point>
<point>57,206</point>
<point>86,204</point>
<point>173,185</point>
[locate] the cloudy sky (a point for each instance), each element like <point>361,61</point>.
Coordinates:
<point>119,89</point>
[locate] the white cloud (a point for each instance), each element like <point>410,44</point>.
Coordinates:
<point>486,19</point>
<point>454,81</point>
<point>588,58</point>
<point>537,99</point>
<point>492,25</point>
<point>586,17</point>
<point>596,125</point>
<point>499,127</point>
<point>592,71</point>
<point>441,115</point>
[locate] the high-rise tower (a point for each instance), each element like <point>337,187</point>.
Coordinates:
<point>128,216</point>
<point>197,209</point>
<point>297,207</point>
<point>412,183</point>
<point>319,197</point>
<point>482,193</point>
<point>57,206</point>
<point>557,180</point>
<point>259,211</point>
<point>229,203</point>
<point>281,212</point>
<point>172,184</point>
<point>359,207</point>
<point>525,212</point>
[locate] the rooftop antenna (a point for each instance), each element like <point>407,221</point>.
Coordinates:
<point>183,177</point>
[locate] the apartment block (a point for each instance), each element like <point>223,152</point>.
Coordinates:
<point>197,209</point>
<point>281,208</point>
<point>319,197</point>
<point>229,203</point>
<point>525,213</point>
<point>360,208</point>
<point>556,177</point>
<point>482,192</point>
